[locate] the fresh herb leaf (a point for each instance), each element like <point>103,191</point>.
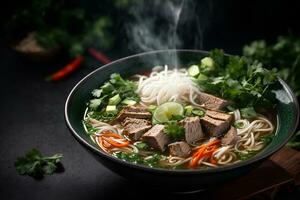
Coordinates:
<point>112,93</point>
<point>95,103</point>
<point>235,78</point>
<point>174,130</point>
<point>90,128</point>
<point>198,112</point>
<point>284,54</point>
<point>239,125</point>
<point>248,112</point>
<point>142,145</point>
<point>246,156</point>
<point>151,161</point>
<point>96,92</point>
<point>35,165</point>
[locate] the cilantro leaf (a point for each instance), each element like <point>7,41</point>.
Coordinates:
<point>237,79</point>
<point>116,86</point>
<point>174,130</point>
<point>34,164</point>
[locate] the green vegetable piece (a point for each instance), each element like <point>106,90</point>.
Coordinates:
<point>239,125</point>
<point>107,88</point>
<point>198,112</point>
<point>174,130</point>
<point>111,108</point>
<point>94,103</point>
<point>35,165</point>
<point>142,145</point>
<point>188,110</point>
<point>202,77</point>
<point>193,70</point>
<point>207,64</point>
<point>151,108</point>
<point>129,102</point>
<point>115,100</point>
<point>246,156</point>
<point>248,112</point>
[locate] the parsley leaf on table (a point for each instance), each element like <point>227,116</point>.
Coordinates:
<point>36,165</point>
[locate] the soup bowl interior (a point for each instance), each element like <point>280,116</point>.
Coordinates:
<point>286,108</point>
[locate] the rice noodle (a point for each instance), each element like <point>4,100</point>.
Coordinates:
<point>175,161</point>
<point>168,85</point>
<point>249,135</point>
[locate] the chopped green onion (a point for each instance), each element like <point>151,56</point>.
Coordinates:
<point>198,112</point>
<point>188,110</point>
<point>114,100</point>
<point>193,70</point>
<point>207,64</point>
<point>111,108</point>
<point>129,102</point>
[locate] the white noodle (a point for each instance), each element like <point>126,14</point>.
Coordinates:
<point>167,85</point>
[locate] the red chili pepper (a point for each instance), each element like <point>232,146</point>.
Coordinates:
<point>99,56</point>
<point>68,69</point>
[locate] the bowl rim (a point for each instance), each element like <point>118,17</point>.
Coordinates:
<point>244,163</point>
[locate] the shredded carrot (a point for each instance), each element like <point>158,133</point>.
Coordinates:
<point>204,151</point>
<point>118,144</point>
<point>111,134</point>
<point>106,141</point>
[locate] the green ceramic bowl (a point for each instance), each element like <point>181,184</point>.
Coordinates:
<point>176,180</point>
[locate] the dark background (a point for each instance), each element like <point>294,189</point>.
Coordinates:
<point>32,110</point>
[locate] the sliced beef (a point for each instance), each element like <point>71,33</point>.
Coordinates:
<point>180,149</point>
<point>219,115</point>
<point>156,137</point>
<point>231,137</point>
<point>214,127</point>
<point>193,130</point>
<point>138,112</point>
<point>135,128</point>
<point>211,102</point>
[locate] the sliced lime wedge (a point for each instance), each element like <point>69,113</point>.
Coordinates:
<point>164,112</point>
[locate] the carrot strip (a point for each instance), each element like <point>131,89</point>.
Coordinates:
<point>117,144</point>
<point>204,151</point>
<point>106,140</point>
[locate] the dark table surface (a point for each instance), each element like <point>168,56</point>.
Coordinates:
<point>32,115</point>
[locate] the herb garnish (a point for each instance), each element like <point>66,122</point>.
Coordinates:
<point>138,159</point>
<point>112,93</point>
<point>238,80</point>
<point>174,130</point>
<point>36,165</point>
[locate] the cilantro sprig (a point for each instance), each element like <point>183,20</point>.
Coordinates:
<point>36,165</point>
<point>124,89</point>
<point>236,79</point>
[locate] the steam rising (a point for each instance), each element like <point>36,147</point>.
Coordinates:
<point>168,24</point>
